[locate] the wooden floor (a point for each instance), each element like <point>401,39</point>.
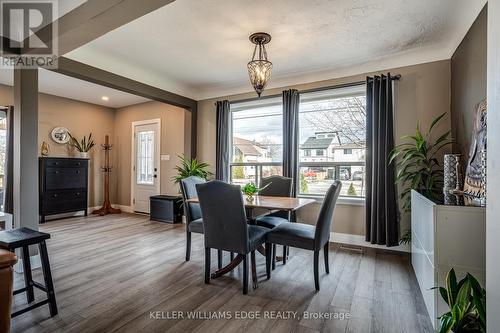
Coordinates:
<point>110,273</point>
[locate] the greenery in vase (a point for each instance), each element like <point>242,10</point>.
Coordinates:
<point>417,166</point>
<point>352,190</point>
<point>466,300</point>
<point>250,189</point>
<point>84,145</point>
<point>190,167</point>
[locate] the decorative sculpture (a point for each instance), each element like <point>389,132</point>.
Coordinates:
<point>475,184</point>
<point>106,169</point>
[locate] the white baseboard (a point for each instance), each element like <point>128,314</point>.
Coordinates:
<point>125,209</point>
<point>35,263</point>
<point>359,240</point>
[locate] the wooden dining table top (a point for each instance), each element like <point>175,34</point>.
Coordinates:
<point>272,203</point>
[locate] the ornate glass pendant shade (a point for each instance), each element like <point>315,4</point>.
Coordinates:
<point>259,69</point>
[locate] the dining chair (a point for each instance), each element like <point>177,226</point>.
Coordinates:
<point>309,237</point>
<point>226,228</point>
<point>194,222</point>
<point>275,186</point>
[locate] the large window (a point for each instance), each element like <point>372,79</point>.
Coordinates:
<point>334,122</point>
<point>256,140</point>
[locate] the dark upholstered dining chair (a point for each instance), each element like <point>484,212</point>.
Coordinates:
<point>307,236</point>
<point>275,186</point>
<point>194,222</point>
<point>226,228</point>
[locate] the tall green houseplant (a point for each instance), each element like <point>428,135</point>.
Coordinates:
<point>190,167</point>
<point>417,165</point>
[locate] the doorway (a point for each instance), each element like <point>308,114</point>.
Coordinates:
<point>145,163</point>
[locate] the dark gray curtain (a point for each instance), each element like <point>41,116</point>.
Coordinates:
<point>9,164</point>
<point>381,205</point>
<point>222,137</point>
<point>291,101</point>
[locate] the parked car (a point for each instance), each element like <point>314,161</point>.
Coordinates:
<point>357,175</point>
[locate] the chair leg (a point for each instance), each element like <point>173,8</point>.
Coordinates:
<point>255,283</point>
<point>231,256</point>
<point>47,276</point>
<point>28,280</point>
<point>316,270</point>
<point>207,265</point>
<point>219,259</point>
<point>245,274</point>
<point>274,257</point>
<point>188,246</point>
<point>269,253</point>
<point>327,263</point>
<point>284,255</point>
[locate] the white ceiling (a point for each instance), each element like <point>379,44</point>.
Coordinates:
<point>199,48</point>
<point>69,87</point>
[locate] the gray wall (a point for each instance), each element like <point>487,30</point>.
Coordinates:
<point>493,204</point>
<point>468,82</point>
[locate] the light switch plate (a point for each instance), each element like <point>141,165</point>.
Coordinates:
<point>165,157</point>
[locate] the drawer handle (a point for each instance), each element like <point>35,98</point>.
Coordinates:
<point>77,172</point>
<point>77,194</point>
<point>55,196</point>
<point>56,172</point>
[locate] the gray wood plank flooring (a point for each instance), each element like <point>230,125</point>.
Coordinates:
<point>111,272</point>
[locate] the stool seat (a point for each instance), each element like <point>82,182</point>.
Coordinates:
<point>15,238</point>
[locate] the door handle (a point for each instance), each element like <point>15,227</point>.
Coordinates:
<point>155,176</point>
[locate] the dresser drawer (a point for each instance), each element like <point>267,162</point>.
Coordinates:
<point>65,163</point>
<point>56,201</point>
<point>65,178</point>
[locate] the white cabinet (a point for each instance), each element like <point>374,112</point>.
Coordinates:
<point>445,237</point>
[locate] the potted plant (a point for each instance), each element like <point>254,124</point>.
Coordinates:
<point>417,166</point>
<point>250,190</point>
<point>467,302</point>
<point>83,146</point>
<point>190,167</point>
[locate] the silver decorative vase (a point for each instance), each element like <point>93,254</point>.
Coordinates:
<point>453,179</point>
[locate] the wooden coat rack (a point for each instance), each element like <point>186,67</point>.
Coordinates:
<point>106,169</point>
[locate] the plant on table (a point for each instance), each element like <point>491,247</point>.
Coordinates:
<point>467,303</point>
<point>250,190</point>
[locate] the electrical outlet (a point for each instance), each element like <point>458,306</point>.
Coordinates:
<point>165,157</point>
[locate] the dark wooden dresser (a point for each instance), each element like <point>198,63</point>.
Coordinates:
<point>63,185</point>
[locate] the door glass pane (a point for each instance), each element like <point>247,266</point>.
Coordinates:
<point>145,157</point>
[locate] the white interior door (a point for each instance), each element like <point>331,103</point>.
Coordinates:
<point>146,165</point>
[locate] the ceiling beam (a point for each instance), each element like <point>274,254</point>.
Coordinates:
<point>99,76</point>
<point>95,18</point>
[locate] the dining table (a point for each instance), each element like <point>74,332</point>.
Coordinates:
<point>261,202</point>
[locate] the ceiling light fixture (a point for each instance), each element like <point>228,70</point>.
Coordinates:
<point>259,69</point>
<point>105,98</point>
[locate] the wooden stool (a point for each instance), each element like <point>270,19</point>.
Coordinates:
<point>23,238</point>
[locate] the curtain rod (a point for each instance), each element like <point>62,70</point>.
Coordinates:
<point>337,86</point>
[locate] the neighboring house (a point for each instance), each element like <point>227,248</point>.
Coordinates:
<point>333,147</point>
<point>247,151</point>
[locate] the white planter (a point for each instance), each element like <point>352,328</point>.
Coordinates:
<point>82,154</point>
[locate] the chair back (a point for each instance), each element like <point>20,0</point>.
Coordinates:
<point>278,186</point>
<point>325,217</point>
<point>192,211</point>
<point>224,217</point>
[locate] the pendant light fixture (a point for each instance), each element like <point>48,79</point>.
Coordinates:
<point>259,68</point>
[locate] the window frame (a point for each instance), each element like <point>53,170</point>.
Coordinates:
<point>343,199</point>
<point>257,166</point>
